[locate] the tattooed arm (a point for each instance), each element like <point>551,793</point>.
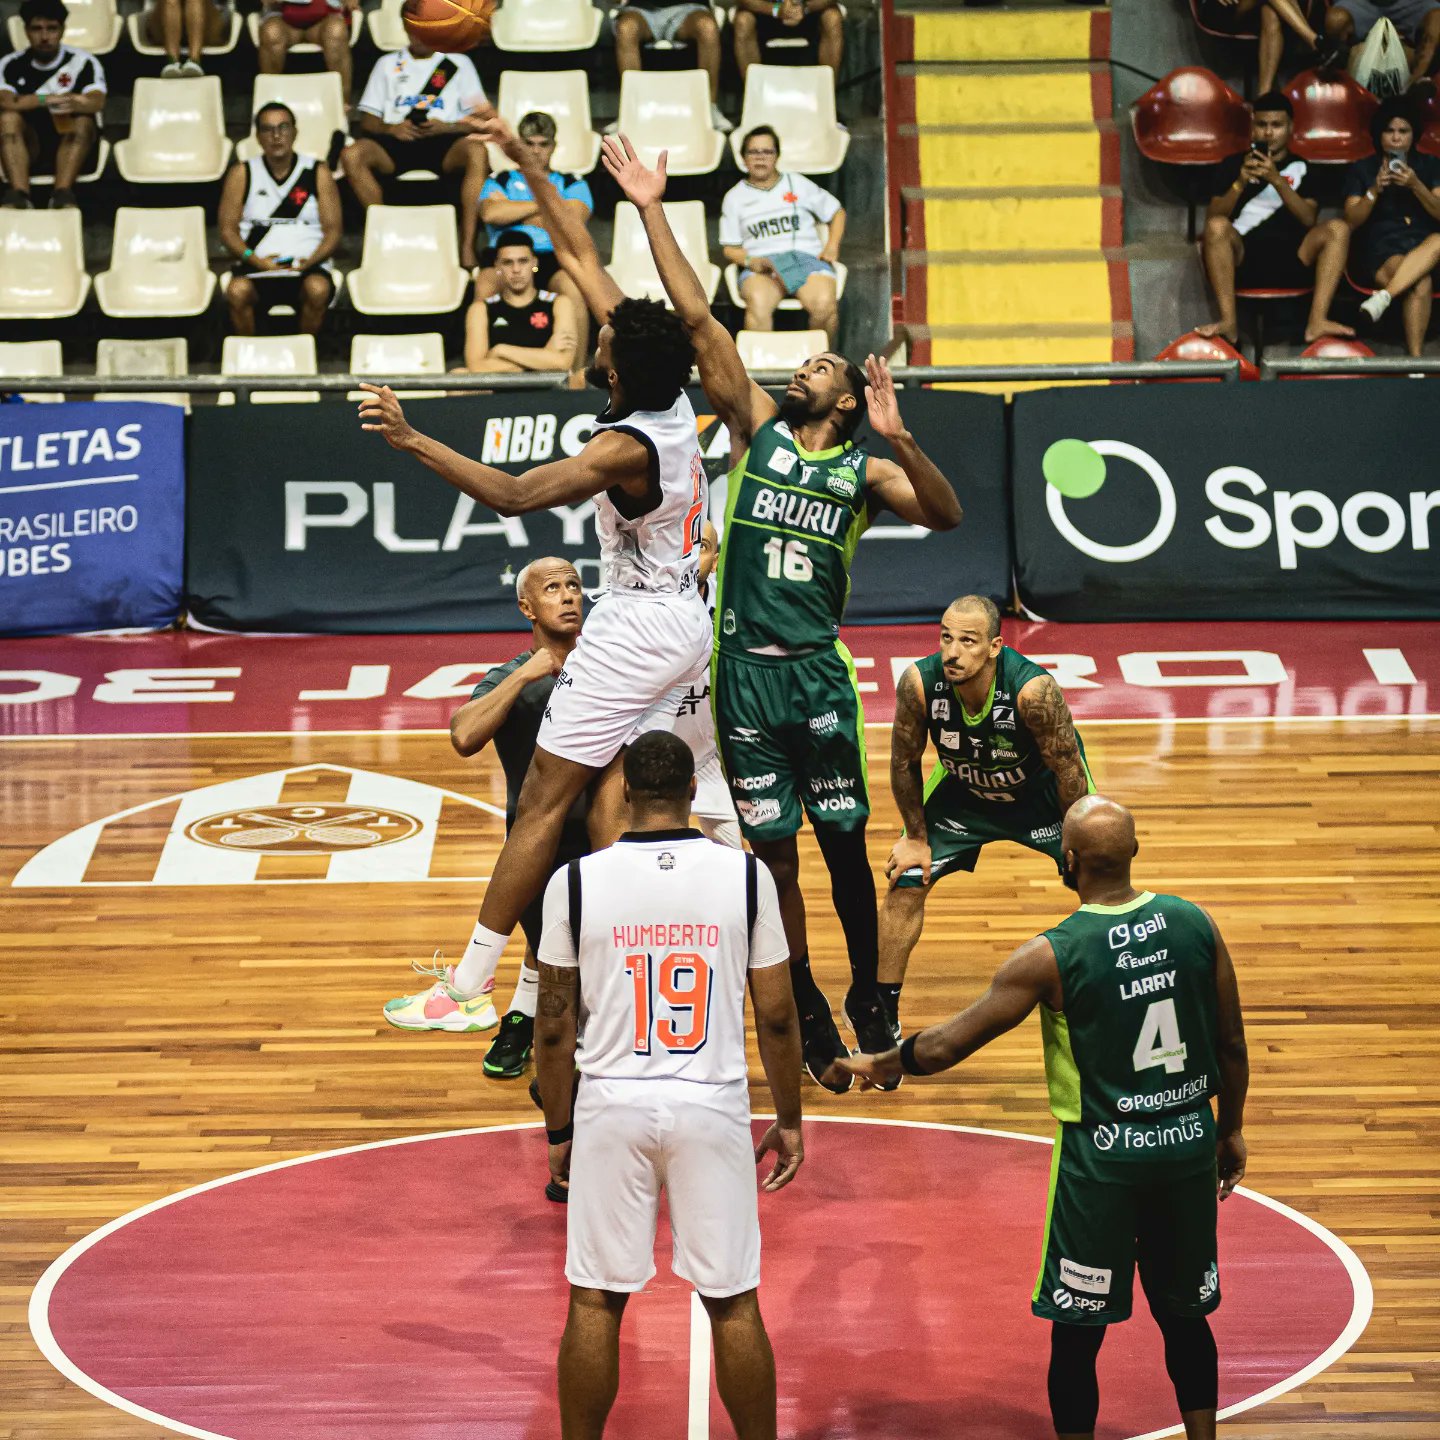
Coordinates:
<point>907,749</point>
<point>1047,716</point>
<point>555,1028</point>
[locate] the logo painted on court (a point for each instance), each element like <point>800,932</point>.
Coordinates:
<point>302,829</point>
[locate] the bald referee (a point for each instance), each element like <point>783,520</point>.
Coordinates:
<point>1140,1014</point>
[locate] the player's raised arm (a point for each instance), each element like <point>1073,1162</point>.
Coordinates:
<point>1047,717</point>
<point>907,749</point>
<point>916,489</point>
<point>741,404</point>
<point>1233,1056</point>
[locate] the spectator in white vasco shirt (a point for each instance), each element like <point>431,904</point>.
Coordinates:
<point>414,115</point>
<point>770,227</point>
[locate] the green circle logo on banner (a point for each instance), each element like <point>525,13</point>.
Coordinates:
<point>1075,469</point>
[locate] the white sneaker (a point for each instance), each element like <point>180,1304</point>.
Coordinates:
<point>719,122</point>
<point>613,128</point>
<point>175,70</point>
<point>1377,304</point>
<point>192,68</point>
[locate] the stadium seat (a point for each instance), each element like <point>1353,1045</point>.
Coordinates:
<point>135,27</point>
<point>386,355</point>
<point>546,25</point>
<point>386,29</point>
<point>269,355</point>
<point>25,359</point>
<point>670,110</point>
<point>42,264</point>
<point>1191,346</point>
<point>564,95</point>
<point>1332,118</point>
<point>1191,117</point>
<point>410,263</point>
<point>99,158</point>
<point>632,265</point>
<point>300,47</point>
<point>143,359</point>
<point>177,133</point>
<point>1428,120</point>
<point>1260,299</point>
<point>1333,347</point>
<point>799,101</point>
<point>159,263</point>
<point>779,349</point>
<point>842,273</point>
<point>92,25</point>
<point>319,107</point>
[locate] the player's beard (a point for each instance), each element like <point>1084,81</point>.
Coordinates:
<point>797,409</point>
<point>1070,877</point>
<point>598,377</point>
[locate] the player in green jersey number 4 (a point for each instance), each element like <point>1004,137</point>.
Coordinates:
<point>1140,1015</point>
<point>788,717</point>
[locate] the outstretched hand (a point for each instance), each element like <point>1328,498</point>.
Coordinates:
<point>642,186</point>
<point>380,410</point>
<point>871,1071</point>
<point>880,401</point>
<point>487,122</point>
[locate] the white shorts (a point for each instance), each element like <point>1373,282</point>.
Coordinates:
<point>634,1138</point>
<point>626,675</point>
<point>713,802</point>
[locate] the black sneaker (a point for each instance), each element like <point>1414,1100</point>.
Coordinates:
<point>14,199</point>
<point>821,1045</point>
<point>505,1059</point>
<point>892,1018</point>
<point>1331,55</point>
<point>63,200</point>
<point>873,1035</point>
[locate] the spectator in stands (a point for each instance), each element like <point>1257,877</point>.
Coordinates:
<point>1392,202</point>
<point>325,23</point>
<point>1418,22</point>
<point>522,327</point>
<point>280,219</point>
<point>1261,231</point>
<point>196,23</point>
<point>413,116</point>
<point>757,22</point>
<point>50,98</point>
<point>506,204</point>
<point>769,228</point>
<point>639,22</point>
<point>1237,17</point>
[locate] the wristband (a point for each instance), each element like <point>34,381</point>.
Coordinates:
<point>564,1133</point>
<point>247,254</point>
<point>775,10</point>
<point>908,1063</point>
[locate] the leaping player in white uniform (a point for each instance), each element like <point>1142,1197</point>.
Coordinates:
<point>667,930</point>
<point>650,632</point>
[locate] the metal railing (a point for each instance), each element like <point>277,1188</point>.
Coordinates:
<point>1350,365</point>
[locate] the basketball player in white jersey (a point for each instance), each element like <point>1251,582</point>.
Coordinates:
<point>653,943</point>
<point>650,631</point>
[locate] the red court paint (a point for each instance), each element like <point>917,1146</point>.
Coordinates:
<point>415,1291</point>
<point>180,682</point>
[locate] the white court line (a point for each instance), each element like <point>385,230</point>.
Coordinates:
<point>39,1309</point>
<point>67,484</point>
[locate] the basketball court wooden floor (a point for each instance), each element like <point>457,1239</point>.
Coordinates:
<point>178,1009</point>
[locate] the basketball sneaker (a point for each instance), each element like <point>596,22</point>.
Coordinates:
<point>505,1059</point>
<point>441,1007</point>
<point>868,1019</point>
<point>821,1045</point>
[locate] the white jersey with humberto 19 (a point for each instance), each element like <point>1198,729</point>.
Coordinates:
<point>665,949</point>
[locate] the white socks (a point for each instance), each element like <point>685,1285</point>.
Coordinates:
<point>527,988</point>
<point>1377,304</point>
<point>479,962</point>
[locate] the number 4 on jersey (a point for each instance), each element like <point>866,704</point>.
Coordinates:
<point>682,981</point>
<point>1160,1042</point>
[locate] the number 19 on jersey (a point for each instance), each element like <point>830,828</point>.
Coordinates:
<point>682,981</point>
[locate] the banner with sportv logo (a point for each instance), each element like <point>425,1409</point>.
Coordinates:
<point>1261,502</point>
<point>301,521</point>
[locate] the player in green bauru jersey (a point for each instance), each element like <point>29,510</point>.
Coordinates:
<point>1140,1016</point>
<point>788,717</point>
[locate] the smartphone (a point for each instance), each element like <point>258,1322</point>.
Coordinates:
<point>1258,147</point>
<point>1395,163</point>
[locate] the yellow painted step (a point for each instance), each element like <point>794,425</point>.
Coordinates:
<point>1013,222</point>
<point>1010,161</point>
<point>1065,292</point>
<point>1022,350</point>
<point>1017,97</point>
<point>1003,36</point>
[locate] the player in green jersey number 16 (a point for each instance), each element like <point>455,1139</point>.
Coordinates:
<point>1140,1014</point>
<point>788,717</point>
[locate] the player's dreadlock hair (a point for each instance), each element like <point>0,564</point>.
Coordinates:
<point>652,353</point>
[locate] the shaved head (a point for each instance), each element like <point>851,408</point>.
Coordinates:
<point>1101,835</point>
<point>535,574</point>
<point>977,605</point>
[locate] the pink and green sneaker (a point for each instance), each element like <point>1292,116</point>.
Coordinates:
<point>441,1007</point>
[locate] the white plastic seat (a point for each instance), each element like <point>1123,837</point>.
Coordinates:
<point>319,106</point>
<point>99,159</point>
<point>177,133</point>
<point>564,95</point>
<point>798,101</point>
<point>135,28</point>
<point>385,355</point>
<point>670,110</point>
<point>92,25</point>
<point>779,349</point>
<point>633,266</point>
<point>42,264</point>
<point>387,30</point>
<point>142,359</point>
<point>410,263</point>
<point>300,47</point>
<point>24,359</point>
<point>545,25</point>
<point>842,273</point>
<point>158,264</point>
<point>269,355</point>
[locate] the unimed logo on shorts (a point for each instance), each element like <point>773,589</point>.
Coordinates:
<point>1090,1278</point>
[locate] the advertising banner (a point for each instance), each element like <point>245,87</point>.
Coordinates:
<point>1246,502</point>
<point>301,521</point>
<point>92,517</point>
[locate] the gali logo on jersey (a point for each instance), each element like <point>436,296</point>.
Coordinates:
<point>384,829</point>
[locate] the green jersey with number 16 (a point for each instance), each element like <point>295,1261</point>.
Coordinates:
<point>792,521</point>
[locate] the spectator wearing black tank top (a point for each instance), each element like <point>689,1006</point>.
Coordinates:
<point>521,327</point>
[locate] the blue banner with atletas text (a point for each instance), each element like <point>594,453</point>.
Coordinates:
<point>92,517</point>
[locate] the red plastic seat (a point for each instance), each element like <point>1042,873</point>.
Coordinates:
<point>1429,123</point>
<point>1332,118</point>
<point>1333,347</point>
<point>1191,117</point>
<point>1191,346</point>
<point>1261,293</point>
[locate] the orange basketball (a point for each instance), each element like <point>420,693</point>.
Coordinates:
<point>448,25</point>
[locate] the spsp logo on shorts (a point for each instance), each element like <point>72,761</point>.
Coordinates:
<point>1063,1298</point>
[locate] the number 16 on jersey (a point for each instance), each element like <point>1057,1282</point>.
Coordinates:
<point>682,982</point>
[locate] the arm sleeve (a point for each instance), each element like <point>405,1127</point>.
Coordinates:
<point>6,83</point>
<point>496,673</point>
<point>372,99</point>
<point>730,218</point>
<point>821,203</point>
<point>557,945</point>
<point>768,945</point>
<point>93,77</point>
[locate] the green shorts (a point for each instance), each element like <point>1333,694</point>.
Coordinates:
<point>791,734</point>
<point>1097,1231</point>
<point>959,826</point>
